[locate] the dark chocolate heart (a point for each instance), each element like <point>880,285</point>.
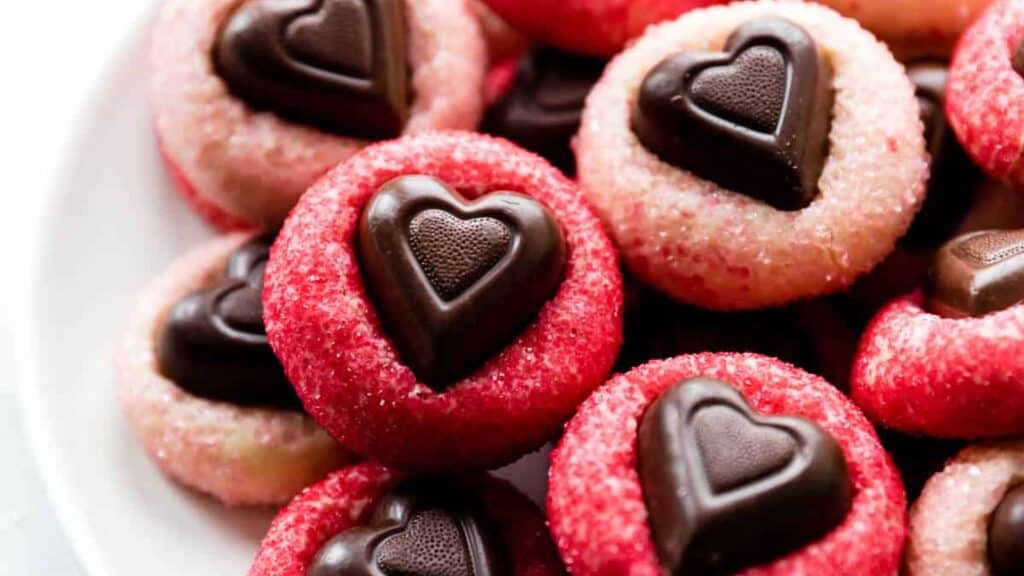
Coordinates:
<point>339,65</point>
<point>1006,534</point>
<point>953,176</point>
<point>727,489</point>
<point>541,111</point>
<point>214,345</point>
<point>453,280</point>
<point>977,273</point>
<point>426,527</point>
<point>765,105</point>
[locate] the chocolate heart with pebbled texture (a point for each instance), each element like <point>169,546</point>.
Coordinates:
<point>765,104</point>
<point>426,527</point>
<point>340,65</point>
<point>455,281</point>
<point>727,489</point>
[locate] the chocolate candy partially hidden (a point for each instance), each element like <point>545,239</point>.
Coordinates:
<point>455,281</point>
<point>1018,58</point>
<point>1006,534</point>
<point>213,343</point>
<point>426,527</point>
<point>339,65</point>
<point>953,176</point>
<point>754,120</point>
<point>541,112</point>
<point>727,489</point>
<point>977,273</point>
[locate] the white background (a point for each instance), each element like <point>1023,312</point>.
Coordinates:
<point>51,53</point>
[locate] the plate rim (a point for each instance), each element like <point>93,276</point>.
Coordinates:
<point>98,62</point>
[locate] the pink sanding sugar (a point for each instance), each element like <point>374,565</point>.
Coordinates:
<point>595,502</point>
<point>327,334</point>
<point>715,248</point>
<point>949,522</point>
<point>345,499</point>
<point>984,92</point>
<point>240,455</point>
<point>951,378</point>
<point>253,165</point>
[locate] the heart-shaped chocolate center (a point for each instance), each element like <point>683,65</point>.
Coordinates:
<point>541,111</point>
<point>977,273</point>
<point>727,489</point>
<point>454,280</point>
<point>455,253</point>
<point>426,527</point>
<point>214,343</point>
<point>340,65</point>
<point>764,105</point>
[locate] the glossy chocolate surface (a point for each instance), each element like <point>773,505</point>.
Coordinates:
<point>726,488</point>
<point>977,273</point>
<point>754,119</point>
<point>455,281</point>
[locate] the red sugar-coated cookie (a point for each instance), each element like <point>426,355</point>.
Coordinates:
<point>984,95</point>
<point>949,378</point>
<point>599,27</point>
<point>327,333</point>
<point>345,499</point>
<point>595,502</point>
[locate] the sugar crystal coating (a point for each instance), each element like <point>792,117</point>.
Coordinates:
<point>248,166</point>
<point>327,333</point>
<point>715,248</point>
<point>346,498</point>
<point>240,455</point>
<point>595,502</point>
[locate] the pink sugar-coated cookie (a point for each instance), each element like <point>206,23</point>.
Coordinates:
<point>503,41</point>
<point>252,166</point>
<point>948,530</point>
<point>949,378</point>
<point>595,502</point>
<point>345,498</point>
<point>913,28</point>
<point>715,248</point>
<point>240,455</point>
<point>984,92</point>
<point>328,335</point>
<point>598,27</point>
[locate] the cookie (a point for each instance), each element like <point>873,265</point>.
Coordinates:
<point>368,519</point>
<point>253,100</point>
<point>913,28</point>
<point>202,390</point>
<point>503,41</point>
<point>718,463</point>
<point>466,300</point>
<point>984,80</point>
<point>829,180</point>
<point>968,518</point>
<point>595,27</point>
<point>945,361</point>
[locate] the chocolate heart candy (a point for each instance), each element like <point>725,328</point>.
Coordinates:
<point>1006,534</point>
<point>727,489</point>
<point>213,343</point>
<point>541,112</point>
<point>336,64</point>
<point>453,280</point>
<point>953,176</point>
<point>427,527</point>
<point>765,105</point>
<point>977,273</point>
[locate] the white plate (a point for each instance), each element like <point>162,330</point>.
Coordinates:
<point>113,222</point>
